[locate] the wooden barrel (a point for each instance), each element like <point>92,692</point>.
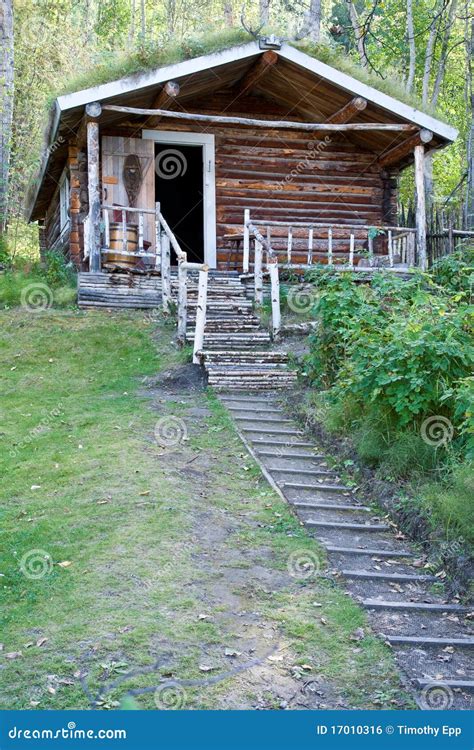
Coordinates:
<point>114,255</point>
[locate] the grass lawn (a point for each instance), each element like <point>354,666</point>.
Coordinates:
<point>128,565</point>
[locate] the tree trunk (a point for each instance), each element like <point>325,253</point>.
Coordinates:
<point>411,46</point>
<point>228,13</point>
<point>470,156</point>
<point>143,22</point>
<point>429,56</point>
<point>444,52</point>
<point>314,21</point>
<point>358,33</point>
<point>131,32</point>
<point>6,104</point>
<point>264,11</point>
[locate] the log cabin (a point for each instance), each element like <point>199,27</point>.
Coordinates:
<point>258,142</point>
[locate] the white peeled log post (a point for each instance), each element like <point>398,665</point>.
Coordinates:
<point>246,258</point>
<point>310,247</point>
<point>157,237</point>
<point>290,244</point>
<point>93,111</point>
<point>275,296</point>
<point>258,273</point>
<point>165,273</point>
<point>420,206</point>
<point>351,251</point>
<point>182,300</point>
<point>200,316</point>
<point>330,246</point>
<point>390,248</point>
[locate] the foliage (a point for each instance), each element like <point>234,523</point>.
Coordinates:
<point>455,272</point>
<point>16,284</point>
<point>398,350</point>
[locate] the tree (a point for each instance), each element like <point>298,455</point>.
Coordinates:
<point>314,21</point>
<point>470,148</point>
<point>411,46</point>
<point>264,11</point>
<point>6,105</point>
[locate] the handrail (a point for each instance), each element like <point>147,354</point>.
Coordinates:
<point>165,240</point>
<point>272,267</point>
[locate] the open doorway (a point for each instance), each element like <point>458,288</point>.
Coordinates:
<point>179,188</point>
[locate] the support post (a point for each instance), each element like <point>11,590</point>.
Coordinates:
<point>200,316</point>
<point>420,206</point>
<point>330,246</point>
<point>390,248</point>
<point>246,258</point>
<point>351,251</point>
<point>157,236</point>
<point>165,273</point>
<point>275,297</point>
<point>310,247</point>
<point>182,300</point>
<point>258,274</point>
<point>93,111</point>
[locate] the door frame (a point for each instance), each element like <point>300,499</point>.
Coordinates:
<point>207,141</point>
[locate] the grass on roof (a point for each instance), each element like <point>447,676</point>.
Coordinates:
<point>116,65</point>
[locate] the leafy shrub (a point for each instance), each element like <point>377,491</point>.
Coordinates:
<point>455,272</point>
<point>400,350</point>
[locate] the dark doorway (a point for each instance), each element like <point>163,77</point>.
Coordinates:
<point>179,190</point>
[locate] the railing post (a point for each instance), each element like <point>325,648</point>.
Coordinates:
<point>165,273</point>
<point>290,244</point>
<point>390,248</point>
<point>370,242</point>
<point>310,247</point>
<point>140,233</point>
<point>93,112</point>
<point>275,296</point>
<point>258,274</point>
<point>157,237</point>
<point>105,214</point>
<point>351,251</point>
<point>246,257</point>
<point>330,246</point>
<point>200,316</point>
<point>182,300</point>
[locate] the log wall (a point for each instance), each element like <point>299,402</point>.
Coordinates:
<point>287,176</point>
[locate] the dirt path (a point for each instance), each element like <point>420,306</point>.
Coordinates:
<point>267,622</point>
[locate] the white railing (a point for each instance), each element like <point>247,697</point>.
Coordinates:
<point>297,241</point>
<point>272,268</point>
<point>165,239</point>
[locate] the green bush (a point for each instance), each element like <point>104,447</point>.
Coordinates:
<point>399,350</point>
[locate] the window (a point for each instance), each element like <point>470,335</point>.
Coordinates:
<point>64,200</point>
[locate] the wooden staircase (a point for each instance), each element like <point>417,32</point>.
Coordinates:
<point>238,353</point>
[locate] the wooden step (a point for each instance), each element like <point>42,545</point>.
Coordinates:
<point>398,577</point>
<point>372,552</point>
<point>420,640</point>
<point>415,606</point>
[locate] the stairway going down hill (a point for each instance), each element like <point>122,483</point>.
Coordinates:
<point>238,352</point>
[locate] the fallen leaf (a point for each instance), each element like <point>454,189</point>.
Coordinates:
<point>35,486</point>
<point>275,657</point>
<point>206,668</point>
<point>203,617</point>
<point>143,494</point>
<point>51,690</point>
<point>65,564</point>
<point>231,652</point>
<point>34,703</point>
<point>13,654</point>
<point>41,641</point>
<point>323,620</point>
<point>306,667</point>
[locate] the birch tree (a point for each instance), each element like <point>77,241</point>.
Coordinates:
<point>314,21</point>
<point>411,46</point>
<point>6,105</point>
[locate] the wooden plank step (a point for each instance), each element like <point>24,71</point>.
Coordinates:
<point>348,526</point>
<point>398,640</point>
<point>331,506</point>
<point>296,444</point>
<point>453,684</point>
<point>400,577</point>
<point>299,456</point>
<point>371,552</point>
<point>272,432</point>
<point>414,606</point>
<point>318,487</point>
<point>304,472</point>
<point>262,420</point>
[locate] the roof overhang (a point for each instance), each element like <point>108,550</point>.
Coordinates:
<point>68,109</point>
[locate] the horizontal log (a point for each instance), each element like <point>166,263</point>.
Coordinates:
<point>283,124</point>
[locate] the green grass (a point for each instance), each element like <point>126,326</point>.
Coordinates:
<point>117,65</point>
<point>86,483</point>
<point>34,289</point>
